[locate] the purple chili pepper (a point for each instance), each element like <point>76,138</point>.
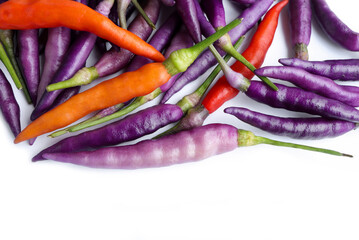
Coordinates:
<point>56,46</point>
<point>301,128</point>
<point>132,127</point>
<point>250,16</point>
<point>296,99</point>
<point>73,61</point>
<point>186,146</point>
<point>215,12</point>
<point>340,69</point>
<point>188,13</point>
<point>334,27</point>
<point>321,85</point>
<point>301,26</point>
<point>9,106</point>
<point>28,41</point>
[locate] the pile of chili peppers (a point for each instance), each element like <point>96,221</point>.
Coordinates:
<point>144,60</point>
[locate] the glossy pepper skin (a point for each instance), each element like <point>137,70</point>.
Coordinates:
<point>28,43</point>
<point>321,85</point>
<point>30,14</point>
<point>299,128</point>
<point>9,106</point>
<point>334,27</point>
<point>336,69</point>
<point>58,42</point>
<point>301,27</point>
<point>187,11</point>
<point>299,100</point>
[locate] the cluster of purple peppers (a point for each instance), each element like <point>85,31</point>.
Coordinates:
<point>66,53</point>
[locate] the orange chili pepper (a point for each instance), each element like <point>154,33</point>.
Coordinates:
<point>138,83</point>
<point>31,14</point>
<point>119,89</point>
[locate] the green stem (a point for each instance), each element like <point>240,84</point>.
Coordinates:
<point>245,62</point>
<point>84,76</point>
<point>223,64</point>
<point>6,61</point>
<point>181,59</point>
<point>247,138</point>
<point>6,38</point>
<point>189,101</point>
<point>144,15</point>
<point>91,119</point>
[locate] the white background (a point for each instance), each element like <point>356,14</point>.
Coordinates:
<point>261,192</point>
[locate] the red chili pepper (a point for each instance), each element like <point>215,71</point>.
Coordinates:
<point>255,54</point>
<point>31,14</point>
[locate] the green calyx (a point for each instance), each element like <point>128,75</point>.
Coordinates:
<point>181,59</point>
<point>301,51</point>
<point>84,76</point>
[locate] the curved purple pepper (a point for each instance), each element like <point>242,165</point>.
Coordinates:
<point>29,58</point>
<point>334,27</point>
<point>185,146</point>
<point>132,127</point>
<point>215,12</point>
<point>57,44</point>
<point>300,128</point>
<point>187,11</point>
<point>321,85</point>
<point>250,16</point>
<point>73,61</point>
<point>9,106</point>
<point>340,69</point>
<point>296,99</point>
<point>301,27</point>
